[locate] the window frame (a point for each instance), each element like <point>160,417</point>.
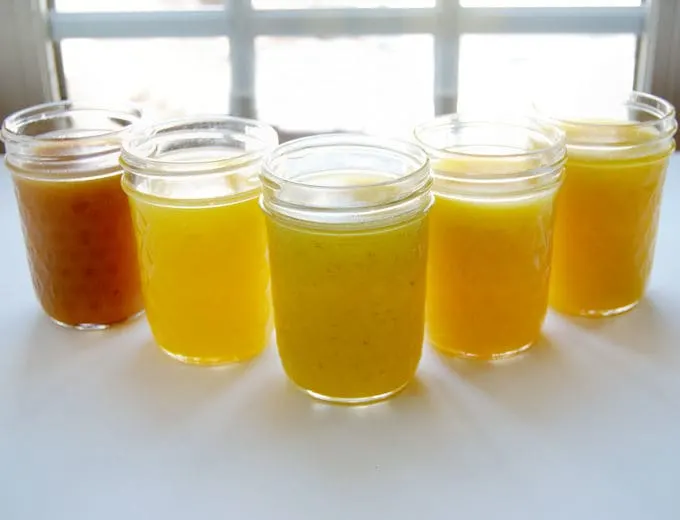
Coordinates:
<point>40,29</point>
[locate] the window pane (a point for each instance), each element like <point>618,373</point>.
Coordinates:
<point>550,3</point>
<point>501,73</point>
<point>305,4</point>
<point>374,84</point>
<point>85,6</point>
<point>168,76</point>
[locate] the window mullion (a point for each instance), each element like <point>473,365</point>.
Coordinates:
<point>242,53</point>
<point>446,51</point>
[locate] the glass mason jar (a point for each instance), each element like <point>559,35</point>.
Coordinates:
<point>347,226</point>
<point>193,186</point>
<point>495,185</point>
<point>76,221</point>
<point>607,216</point>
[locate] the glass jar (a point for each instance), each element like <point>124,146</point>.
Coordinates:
<point>347,226</point>
<point>76,221</point>
<point>618,150</point>
<point>495,185</point>
<point>193,186</point>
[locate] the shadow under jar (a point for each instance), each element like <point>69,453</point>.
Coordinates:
<point>347,221</point>
<point>193,186</point>
<point>495,185</point>
<point>608,212</point>
<point>76,221</point>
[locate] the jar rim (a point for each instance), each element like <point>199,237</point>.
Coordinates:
<point>354,140</point>
<point>549,156</point>
<point>653,105</point>
<point>400,190</point>
<point>137,149</point>
<point>12,126</point>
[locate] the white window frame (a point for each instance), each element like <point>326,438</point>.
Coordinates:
<point>38,26</point>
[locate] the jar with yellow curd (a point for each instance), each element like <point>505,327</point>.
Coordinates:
<point>193,186</point>
<point>491,226</point>
<point>607,216</point>
<point>347,222</point>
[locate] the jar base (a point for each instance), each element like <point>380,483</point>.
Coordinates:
<point>601,313</point>
<point>95,326</point>
<point>208,361</point>
<point>354,401</point>
<point>496,356</point>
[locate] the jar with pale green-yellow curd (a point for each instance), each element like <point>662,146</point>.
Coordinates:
<point>347,224</point>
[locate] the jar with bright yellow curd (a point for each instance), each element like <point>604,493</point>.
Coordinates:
<point>193,186</point>
<point>491,226</point>
<point>347,221</point>
<point>608,212</point>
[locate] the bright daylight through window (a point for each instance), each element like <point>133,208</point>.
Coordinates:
<point>377,70</point>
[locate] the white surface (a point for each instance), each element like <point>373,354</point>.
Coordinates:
<point>104,426</point>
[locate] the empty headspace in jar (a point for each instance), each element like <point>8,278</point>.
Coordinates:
<point>608,140</point>
<point>228,180</point>
<point>194,162</point>
<point>488,157</point>
<point>337,172</point>
<point>624,127</point>
<point>346,189</point>
<point>66,140</point>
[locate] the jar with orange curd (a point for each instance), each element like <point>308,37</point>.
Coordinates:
<point>607,216</point>
<point>63,158</point>
<point>491,227</point>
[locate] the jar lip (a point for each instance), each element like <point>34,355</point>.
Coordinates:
<point>551,156</point>
<point>656,106</point>
<point>137,149</point>
<point>351,140</point>
<point>12,126</point>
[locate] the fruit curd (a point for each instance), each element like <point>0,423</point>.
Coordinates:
<point>607,218</point>
<point>81,248</point>
<point>349,305</point>
<point>63,157</point>
<point>489,266</point>
<point>193,187</point>
<point>347,222</point>
<point>491,226</point>
<point>204,278</point>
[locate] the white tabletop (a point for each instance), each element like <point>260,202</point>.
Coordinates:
<point>102,425</point>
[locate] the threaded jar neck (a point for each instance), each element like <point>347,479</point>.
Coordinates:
<point>195,159</point>
<point>635,125</point>
<point>65,140</point>
<point>346,179</point>
<point>489,158</point>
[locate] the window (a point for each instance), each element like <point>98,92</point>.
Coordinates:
<point>324,65</point>
<point>167,76</point>
<point>365,83</point>
<point>109,6</point>
<point>365,4</point>
<point>503,73</point>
